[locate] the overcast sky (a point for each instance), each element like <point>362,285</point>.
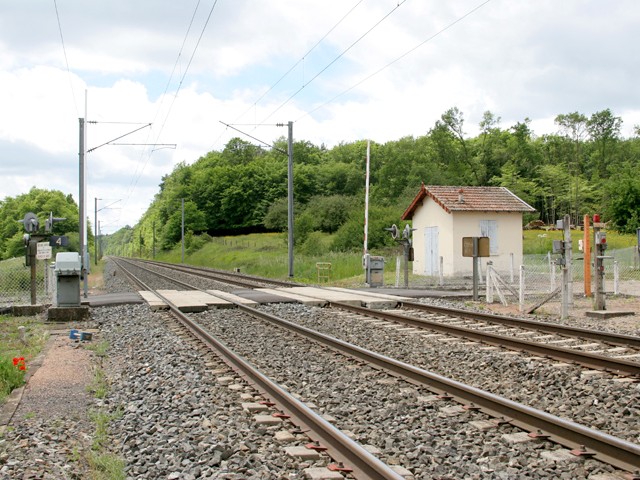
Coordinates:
<point>342,70</point>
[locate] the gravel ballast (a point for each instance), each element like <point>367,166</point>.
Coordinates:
<point>177,411</point>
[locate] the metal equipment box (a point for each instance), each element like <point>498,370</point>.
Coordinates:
<point>68,269</point>
<point>374,271</point>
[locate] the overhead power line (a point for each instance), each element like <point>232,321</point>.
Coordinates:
<point>136,175</point>
<point>193,53</point>
<point>66,61</point>
<point>397,59</point>
<point>301,59</point>
<point>399,4</point>
<point>266,144</point>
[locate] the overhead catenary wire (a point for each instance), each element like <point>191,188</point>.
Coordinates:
<point>397,59</point>
<point>373,27</point>
<point>301,59</point>
<point>137,175</point>
<point>66,60</point>
<point>284,75</point>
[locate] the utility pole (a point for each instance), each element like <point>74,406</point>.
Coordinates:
<point>567,292</point>
<point>586,249</point>
<point>183,230</point>
<point>290,197</point>
<point>365,259</point>
<point>599,247</point>
<point>82,206</point>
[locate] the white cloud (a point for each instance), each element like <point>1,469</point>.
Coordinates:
<point>517,59</point>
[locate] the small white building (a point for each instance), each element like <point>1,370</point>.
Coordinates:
<point>443,215</point>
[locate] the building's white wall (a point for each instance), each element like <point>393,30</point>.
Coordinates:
<point>453,227</point>
<point>430,214</point>
<point>467,224</point>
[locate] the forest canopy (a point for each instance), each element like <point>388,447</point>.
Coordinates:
<point>586,167</point>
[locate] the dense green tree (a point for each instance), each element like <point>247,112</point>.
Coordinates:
<point>42,203</point>
<point>244,187</point>
<point>604,130</point>
<point>622,205</point>
<point>453,120</point>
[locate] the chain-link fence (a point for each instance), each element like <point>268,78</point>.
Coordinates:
<point>15,282</point>
<point>539,279</point>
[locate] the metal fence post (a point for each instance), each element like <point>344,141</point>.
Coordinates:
<point>441,271</point>
<point>552,273</point>
<point>521,296</point>
<point>489,284</point>
<point>616,278</point>
<point>512,267</point>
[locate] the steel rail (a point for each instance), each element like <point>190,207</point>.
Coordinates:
<point>585,441</point>
<point>341,448</point>
<point>227,277</point>
<point>590,360</point>
<point>601,336</point>
<point>568,331</point>
<point>158,274</point>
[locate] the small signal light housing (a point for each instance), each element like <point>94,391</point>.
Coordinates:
<point>601,239</point>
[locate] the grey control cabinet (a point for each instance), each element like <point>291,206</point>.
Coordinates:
<point>375,271</point>
<point>68,270</point>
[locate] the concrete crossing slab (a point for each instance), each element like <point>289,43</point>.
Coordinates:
<point>349,297</point>
<point>154,302</point>
<point>233,298</point>
<point>184,303</point>
<point>373,293</point>
<point>210,300</point>
<point>300,298</point>
<point>328,295</point>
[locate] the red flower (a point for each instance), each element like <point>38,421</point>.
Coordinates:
<point>20,363</point>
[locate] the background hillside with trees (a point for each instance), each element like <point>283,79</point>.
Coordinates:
<point>585,167</point>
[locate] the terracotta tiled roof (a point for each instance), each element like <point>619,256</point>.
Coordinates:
<point>469,199</point>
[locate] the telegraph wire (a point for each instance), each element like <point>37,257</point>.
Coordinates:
<point>408,52</point>
<point>266,144</point>
<point>399,4</point>
<point>137,178</point>
<point>301,59</point>
<point>66,61</point>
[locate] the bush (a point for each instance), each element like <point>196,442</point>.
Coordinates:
<point>314,244</point>
<point>350,236</point>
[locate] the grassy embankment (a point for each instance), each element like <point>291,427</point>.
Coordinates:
<point>266,255</point>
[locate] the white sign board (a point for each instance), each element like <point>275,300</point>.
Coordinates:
<point>43,250</point>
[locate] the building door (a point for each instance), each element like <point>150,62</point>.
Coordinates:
<point>431,251</point>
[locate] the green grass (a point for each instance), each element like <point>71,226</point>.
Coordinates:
<point>99,387</point>
<point>12,346</point>
<point>541,241</point>
<point>104,465</point>
<point>266,255</point>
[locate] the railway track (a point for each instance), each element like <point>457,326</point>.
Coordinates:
<point>606,351</point>
<point>580,439</point>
